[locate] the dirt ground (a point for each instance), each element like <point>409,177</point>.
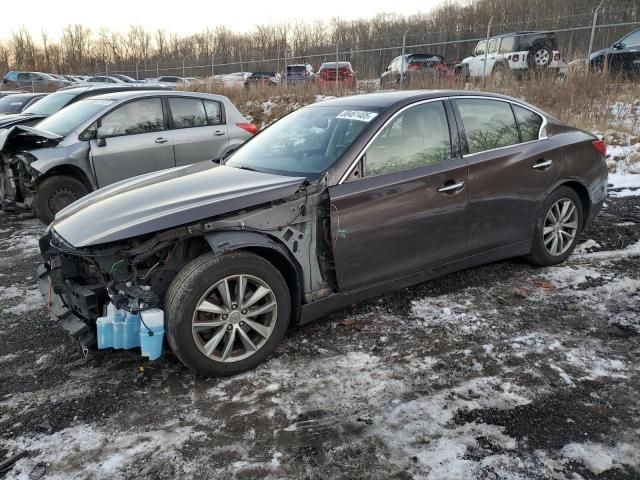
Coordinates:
<point>500,372</point>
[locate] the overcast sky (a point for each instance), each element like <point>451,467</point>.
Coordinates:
<point>187,16</point>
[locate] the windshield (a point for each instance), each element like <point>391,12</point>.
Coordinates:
<point>50,104</point>
<point>67,120</point>
<point>304,143</point>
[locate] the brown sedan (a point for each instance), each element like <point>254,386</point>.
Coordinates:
<point>337,202</point>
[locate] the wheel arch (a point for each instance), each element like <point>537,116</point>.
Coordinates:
<point>583,194</point>
<point>271,250</point>
<point>70,171</point>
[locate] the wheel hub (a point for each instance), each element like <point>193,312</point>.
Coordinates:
<point>560,227</point>
<point>234,318</point>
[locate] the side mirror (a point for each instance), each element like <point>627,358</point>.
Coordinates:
<point>618,46</point>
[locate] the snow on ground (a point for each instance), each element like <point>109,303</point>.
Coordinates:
<point>503,371</point>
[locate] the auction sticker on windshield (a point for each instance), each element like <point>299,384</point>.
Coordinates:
<point>360,115</point>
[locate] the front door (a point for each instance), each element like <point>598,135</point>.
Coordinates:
<point>138,143</point>
<point>198,130</point>
<point>402,210</point>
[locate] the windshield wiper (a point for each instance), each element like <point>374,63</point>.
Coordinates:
<point>248,168</point>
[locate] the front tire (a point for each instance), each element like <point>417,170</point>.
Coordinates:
<point>54,194</point>
<point>557,227</point>
<point>226,314</point>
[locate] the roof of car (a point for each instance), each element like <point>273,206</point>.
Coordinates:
<point>106,88</point>
<point>129,94</point>
<point>388,99</point>
<point>536,32</point>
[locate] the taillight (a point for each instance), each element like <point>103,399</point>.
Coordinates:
<point>515,57</point>
<point>556,56</point>
<point>413,67</point>
<point>249,127</point>
<point>600,146</point>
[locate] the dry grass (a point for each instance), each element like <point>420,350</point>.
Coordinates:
<point>590,102</point>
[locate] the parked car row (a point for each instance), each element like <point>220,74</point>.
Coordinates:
<point>222,259</point>
<point>77,140</point>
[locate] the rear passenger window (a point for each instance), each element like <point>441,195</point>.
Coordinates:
<point>488,124</point>
<point>187,112</point>
<point>214,113</point>
<point>529,123</point>
<point>418,136</point>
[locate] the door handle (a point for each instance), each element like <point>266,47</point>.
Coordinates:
<point>161,140</point>
<point>218,133</point>
<point>451,187</point>
<point>542,164</point>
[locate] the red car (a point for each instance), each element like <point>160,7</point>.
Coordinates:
<point>342,70</point>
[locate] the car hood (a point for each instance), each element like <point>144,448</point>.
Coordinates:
<point>11,119</point>
<point>599,53</point>
<point>166,199</point>
<point>26,137</point>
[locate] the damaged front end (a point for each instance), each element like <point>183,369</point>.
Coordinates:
<point>17,178</point>
<point>135,274</point>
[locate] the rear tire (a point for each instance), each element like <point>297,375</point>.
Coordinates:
<point>203,323</point>
<point>55,193</point>
<point>556,230</point>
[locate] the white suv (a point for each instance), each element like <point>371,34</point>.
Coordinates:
<point>517,53</point>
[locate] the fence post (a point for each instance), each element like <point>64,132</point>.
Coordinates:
<point>241,66</point>
<point>285,52</point>
<point>106,68</point>
<point>404,41</point>
<point>486,52</point>
<point>212,59</point>
<point>183,74</point>
<point>337,60</point>
<point>157,70</point>
<point>593,32</point>
<point>137,63</point>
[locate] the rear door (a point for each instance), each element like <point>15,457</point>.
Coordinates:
<point>403,207</point>
<point>511,168</point>
<point>140,142</point>
<point>198,129</point>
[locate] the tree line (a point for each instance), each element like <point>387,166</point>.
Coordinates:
<point>449,29</point>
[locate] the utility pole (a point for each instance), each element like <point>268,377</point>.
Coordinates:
<point>486,52</point>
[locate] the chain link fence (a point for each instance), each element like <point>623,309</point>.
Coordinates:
<point>575,44</point>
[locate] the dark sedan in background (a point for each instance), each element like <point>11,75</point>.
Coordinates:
<point>18,102</point>
<point>60,99</point>
<point>337,202</point>
<point>622,58</point>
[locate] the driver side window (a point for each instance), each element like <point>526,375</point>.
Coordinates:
<point>480,48</point>
<point>417,137</point>
<point>139,116</point>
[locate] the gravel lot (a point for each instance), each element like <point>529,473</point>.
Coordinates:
<point>502,371</point>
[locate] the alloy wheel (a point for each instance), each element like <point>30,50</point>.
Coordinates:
<point>234,318</point>
<point>560,227</point>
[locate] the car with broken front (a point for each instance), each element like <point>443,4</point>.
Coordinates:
<point>335,203</point>
<point>103,139</point>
